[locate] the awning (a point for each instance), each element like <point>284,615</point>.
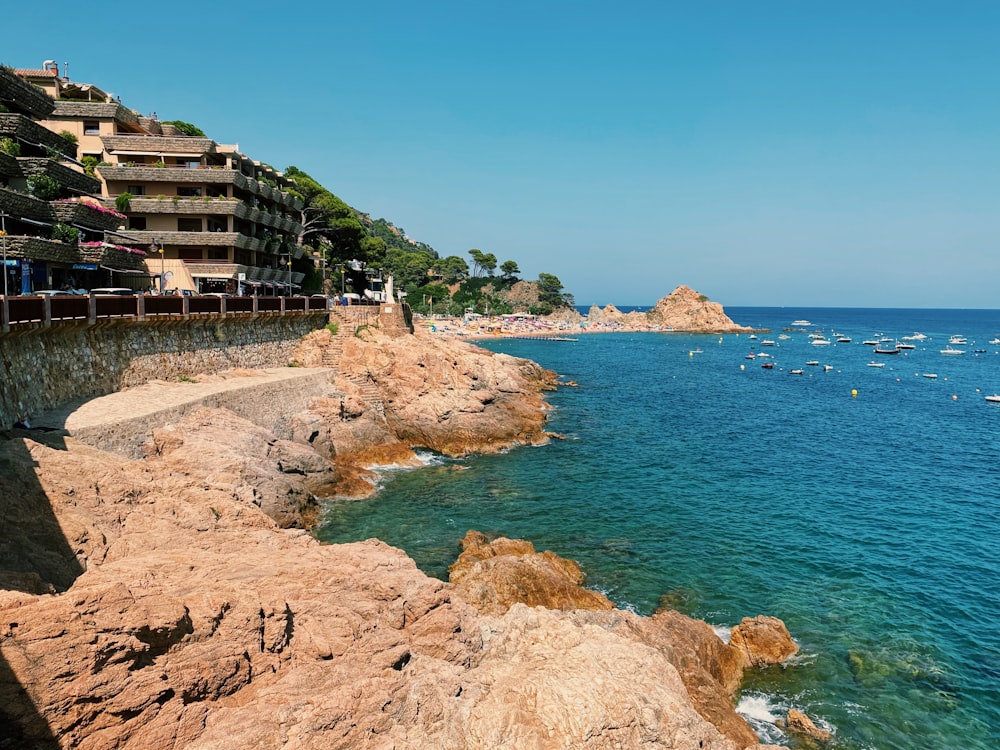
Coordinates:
<point>130,272</point>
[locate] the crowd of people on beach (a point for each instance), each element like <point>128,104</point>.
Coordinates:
<point>521,324</point>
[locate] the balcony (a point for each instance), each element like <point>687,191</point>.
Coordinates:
<point>143,173</point>
<point>25,96</point>
<point>26,206</point>
<point>9,166</point>
<point>197,206</point>
<point>188,239</point>
<point>28,131</point>
<point>41,249</point>
<point>158,144</point>
<point>87,215</point>
<point>114,256</point>
<point>96,111</point>
<point>77,182</point>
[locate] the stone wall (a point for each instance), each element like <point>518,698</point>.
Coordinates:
<point>43,368</point>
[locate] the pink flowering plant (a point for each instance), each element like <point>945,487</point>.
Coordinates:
<point>95,206</point>
<point>123,248</point>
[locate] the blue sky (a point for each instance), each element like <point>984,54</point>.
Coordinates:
<point>767,153</point>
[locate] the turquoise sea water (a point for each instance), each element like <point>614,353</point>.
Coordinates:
<point>698,479</point>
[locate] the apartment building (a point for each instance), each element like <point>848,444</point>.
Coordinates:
<point>56,230</point>
<point>211,219</point>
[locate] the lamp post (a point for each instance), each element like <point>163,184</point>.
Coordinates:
<point>289,264</point>
<point>163,275</point>
<point>3,239</point>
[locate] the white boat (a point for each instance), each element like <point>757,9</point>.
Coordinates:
<point>870,342</point>
<point>844,340</point>
<point>767,342</point>
<point>801,323</point>
<point>813,362</point>
<point>827,368</point>
<point>884,347</point>
<point>785,337</point>
<point>905,345</point>
<point>753,336</point>
<point>876,364</point>
<point>931,375</point>
<point>915,337</point>
<point>995,398</point>
<point>951,350</point>
<point>995,341</point>
<point>796,372</point>
<point>820,342</point>
<point>958,340</point>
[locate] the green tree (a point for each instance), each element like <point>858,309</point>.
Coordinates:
<point>452,269</point>
<point>329,225</point>
<point>550,293</point>
<point>509,271</point>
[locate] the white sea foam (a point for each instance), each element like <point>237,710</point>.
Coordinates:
<point>757,707</point>
<point>724,632</point>
<point>762,715</point>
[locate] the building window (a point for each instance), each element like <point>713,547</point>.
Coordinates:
<point>188,225</point>
<point>91,127</point>
<point>137,189</point>
<point>137,222</point>
<point>189,192</point>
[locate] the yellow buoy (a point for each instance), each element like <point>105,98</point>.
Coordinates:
<point>854,393</point>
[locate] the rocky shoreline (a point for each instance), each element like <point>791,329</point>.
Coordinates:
<point>175,600</point>
<point>682,311</point>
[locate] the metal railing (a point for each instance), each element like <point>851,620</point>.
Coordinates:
<point>21,312</point>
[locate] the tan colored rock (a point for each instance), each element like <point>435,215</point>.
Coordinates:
<point>493,576</point>
<point>450,396</point>
<point>190,620</point>
<point>686,310</point>
<point>762,641</point>
<point>799,723</point>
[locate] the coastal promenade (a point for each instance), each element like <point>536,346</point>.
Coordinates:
<point>121,422</point>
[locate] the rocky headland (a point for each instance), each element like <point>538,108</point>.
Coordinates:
<point>176,600</point>
<point>682,311</point>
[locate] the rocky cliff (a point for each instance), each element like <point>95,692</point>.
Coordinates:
<point>166,601</point>
<point>684,309</point>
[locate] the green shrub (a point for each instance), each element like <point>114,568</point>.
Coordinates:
<point>44,187</point>
<point>124,202</point>
<point>65,233</point>
<point>66,135</point>
<point>10,147</point>
<point>333,328</point>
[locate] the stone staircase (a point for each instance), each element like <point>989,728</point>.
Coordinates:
<point>335,351</point>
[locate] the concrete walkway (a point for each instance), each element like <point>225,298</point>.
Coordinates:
<point>121,422</point>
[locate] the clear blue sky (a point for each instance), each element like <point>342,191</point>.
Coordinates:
<point>763,153</point>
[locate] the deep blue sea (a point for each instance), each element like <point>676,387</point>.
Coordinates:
<point>694,478</point>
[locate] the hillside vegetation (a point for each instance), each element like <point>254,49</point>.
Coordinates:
<point>340,234</point>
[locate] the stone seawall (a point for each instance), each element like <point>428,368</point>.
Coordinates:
<point>43,368</point>
<point>122,422</point>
